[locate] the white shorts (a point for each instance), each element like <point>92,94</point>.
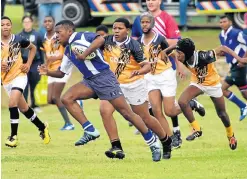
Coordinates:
<point>136,92</point>
<point>19,82</point>
<point>213,91</point>
<point>59,80</point>
<point>166,82</point>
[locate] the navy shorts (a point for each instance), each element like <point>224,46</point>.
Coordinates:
<point>238,77</point>
<point>105,85</point>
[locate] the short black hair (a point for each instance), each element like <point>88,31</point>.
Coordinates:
<point>67,24</point>
<point>26,16</point>
<point>51,17</point>
<point>103,28</point>
<point>6,17</point>
<point>226,16</point>
<point>123,20</point>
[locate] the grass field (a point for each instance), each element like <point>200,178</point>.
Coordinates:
<point>207,158</point>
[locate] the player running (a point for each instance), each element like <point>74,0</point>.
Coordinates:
<point>127,61</point>
<point>161,81</point>
<point>98,81</point>
<point>204,79</point>
<point>236,40</point>
<point>53,55</point>
<point>14,81</point>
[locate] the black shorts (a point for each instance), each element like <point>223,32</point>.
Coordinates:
<point>238,78</point>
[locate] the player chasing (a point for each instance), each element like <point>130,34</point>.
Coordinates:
<point>236,40</point>
<point>126,59</point>
<point>53,55</point>
<point>14,81</point>
<point>161,81</point>
<point>98,81</point>
<point>205,79</point>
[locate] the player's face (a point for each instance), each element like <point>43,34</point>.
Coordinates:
<point>145,24</point>
<point>180,56</point>
<point>120,32</point>
<point>49,23</point>
<point>225,23</point>
<point>63,34</point>
<point>153,5</point>
<point>6,27</point>
<point>102,33</point>
<point>27,24</point>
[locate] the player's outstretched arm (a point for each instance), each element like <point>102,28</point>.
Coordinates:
<point>229,51</point>
<point>43,70</point>
<point>96,44</point>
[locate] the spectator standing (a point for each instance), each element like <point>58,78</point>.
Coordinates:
<point>49,8</point>
<point>34,37</point>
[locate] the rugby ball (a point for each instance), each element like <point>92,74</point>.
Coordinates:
<point>80,46</point>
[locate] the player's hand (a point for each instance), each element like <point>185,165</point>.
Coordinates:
<point>241,64</point>
<point>4,66</point>
<point>79,56</point>
<point>180,71</point>
<point>25,68</point>
<point>164,57</point>
<point>135,73</point>
<point>42,69</point>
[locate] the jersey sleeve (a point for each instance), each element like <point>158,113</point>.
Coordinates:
<point>137,52</point>
<point>66,65</point>
<point>163,43</point>
<point>136,28</point>
<point>206,57</point>
<point>90,36</point>
<point>242,38</point>
<point>172,31</point>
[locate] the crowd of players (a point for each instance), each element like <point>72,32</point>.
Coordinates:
<point>125,74</point>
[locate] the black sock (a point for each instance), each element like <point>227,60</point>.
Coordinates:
<point>166,140</point>
<point>30,114</point>
<point>151,112</point>
<point>116,143</point>
<point>174,121</point>
<point>14,120</point>
<point>64,113</point>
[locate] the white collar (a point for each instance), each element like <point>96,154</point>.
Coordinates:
<point>224,34</point>
<point>153,40</point>
<point>127,40</point>
<point>72,37</point>
<point>52,37</point>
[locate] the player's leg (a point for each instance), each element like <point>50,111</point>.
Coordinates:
<point>50,91</point>
<point>34,80</point>
<point>189,93</point>
<point>231,96</point>
<point>219,104</point>
<point>14,97</point>
<point>156,103</point>
<point>80,91</point>
<point>123,108</point>
<point>56,98</point>
<point>106,112</point>
<point>31,115</point>
<point>153,124</point>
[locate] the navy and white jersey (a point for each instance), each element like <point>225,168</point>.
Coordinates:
<point>236,40</point>
<point>88,68</point>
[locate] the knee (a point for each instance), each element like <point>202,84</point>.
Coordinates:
<point>127,114</point>
<point>183,103</point>
<point>104,112</point>
<point>157,113</point>
<point>169,113</point>
<point>66,100</point>
<point>222,114</point>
